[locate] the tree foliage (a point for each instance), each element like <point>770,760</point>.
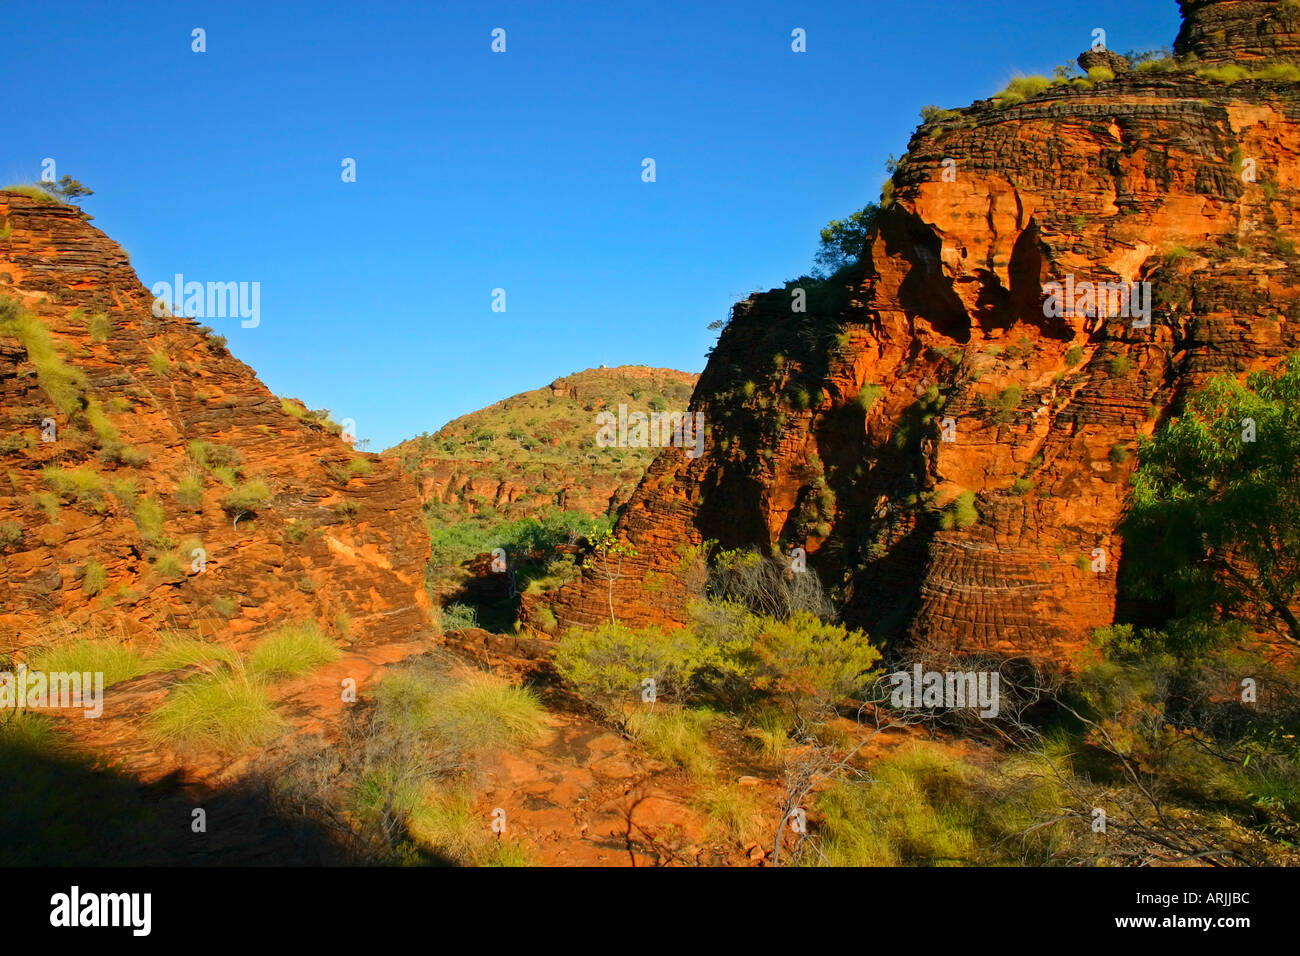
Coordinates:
<point>1214,521</point>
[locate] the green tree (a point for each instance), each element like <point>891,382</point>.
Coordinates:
<point>1214,521</point>
<point>66,189</point>
<point>845,240</point>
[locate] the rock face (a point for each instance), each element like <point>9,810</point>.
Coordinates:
<point>537,451</point>
<point>1239,31</point>
<point>942,366</point>
<point>154,425</point>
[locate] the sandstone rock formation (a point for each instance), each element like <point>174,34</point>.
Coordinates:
<point>934,368</point>
<point>154,425</point>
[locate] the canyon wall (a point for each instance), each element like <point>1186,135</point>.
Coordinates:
<point>939,367</point>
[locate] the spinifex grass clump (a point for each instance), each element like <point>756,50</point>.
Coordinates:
<point>227,710</point>
<point>292,650</point>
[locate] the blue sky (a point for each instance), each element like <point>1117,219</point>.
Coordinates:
<point>478,170</point>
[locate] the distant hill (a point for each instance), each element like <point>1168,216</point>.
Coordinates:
<point>537,452</point>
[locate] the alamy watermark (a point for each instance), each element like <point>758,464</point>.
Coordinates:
<point>1128,300</point>
<point>38,690</point>
<point>212,300</point>
<point>951,689</point>
<point>652,430</point>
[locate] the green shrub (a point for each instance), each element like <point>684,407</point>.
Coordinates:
<point>159,363</point>
<point>1074,355</point>
<point>292,650</point>
<point>150,520</point>
<point>249,496</point>
<point>1021,88</point>
<point>100,327</point>
<point>133,457</point>
<point>225,712</point>
<point>189,491</point>
<point>867,396</point>
<point>34,192</point>
<point>675,735</point>
<point>168,566</point>
<point>1228,73</point>
<point>1021,486</point>
<point>1009,398</point>
<point>116,661</point>
<point>1101,74</point>
<point>94,578</point>
<point>1118,453</point>
<point>546,620</point>
<point>225,606</point>
<point>359,466</point>
<point>176,652</point>
<point>961,513</point>
<point>211,456</point>
<point>1119,366</point>
<point>607,664</point>
<point>457,617</point>
<point>49,504</point>
<point>922,807</point>
<point>935,114</point>
<point>11,532</point>
<point>74,484</point>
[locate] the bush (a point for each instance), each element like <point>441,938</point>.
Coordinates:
<point>480,712</point>
<point>962,513</point>
<point>1101,74</point>
<point>168,566</point>
<point>935,114</point>
<point>1118,453</point>
<point>11,532</point>
<point>675,735</point>
<point>159,363</point>
<point>176,652</point>
<point>922,807</point>
<point>292,650</point>
<point>34,192</point>
<point>189,491</point>
<point>213,456</point>
<point>1009,398</point>
<point>93,579</point>
<point>114,660</point>
<point>79,484</point>
<point>359,466</point>
<point>456,617</point>
<point>63,383</point>
<point>1227,74</point>
<point>805,660</point>
<point>1074,355</point>
<point>867,395</point>
<point>150,520</point>
<point>225,712</point>
<point>1020,89</point>
<point>133,457</point>
<point>1119,366</point>
<point>99,326</point>
<point>249,496</point>
<point>1021,486</point>
<point>607,664</point>
<point>546,620</point>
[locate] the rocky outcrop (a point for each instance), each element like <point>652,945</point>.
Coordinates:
<point>536,452</point>
<point>1239,31</point>
<point>153,426</point>
<point>940,366</point>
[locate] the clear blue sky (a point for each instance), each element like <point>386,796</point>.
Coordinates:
<point>478,170</point>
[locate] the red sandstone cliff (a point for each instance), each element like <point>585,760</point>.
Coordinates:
<point>342,545</point>
<point>1146,177</point>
